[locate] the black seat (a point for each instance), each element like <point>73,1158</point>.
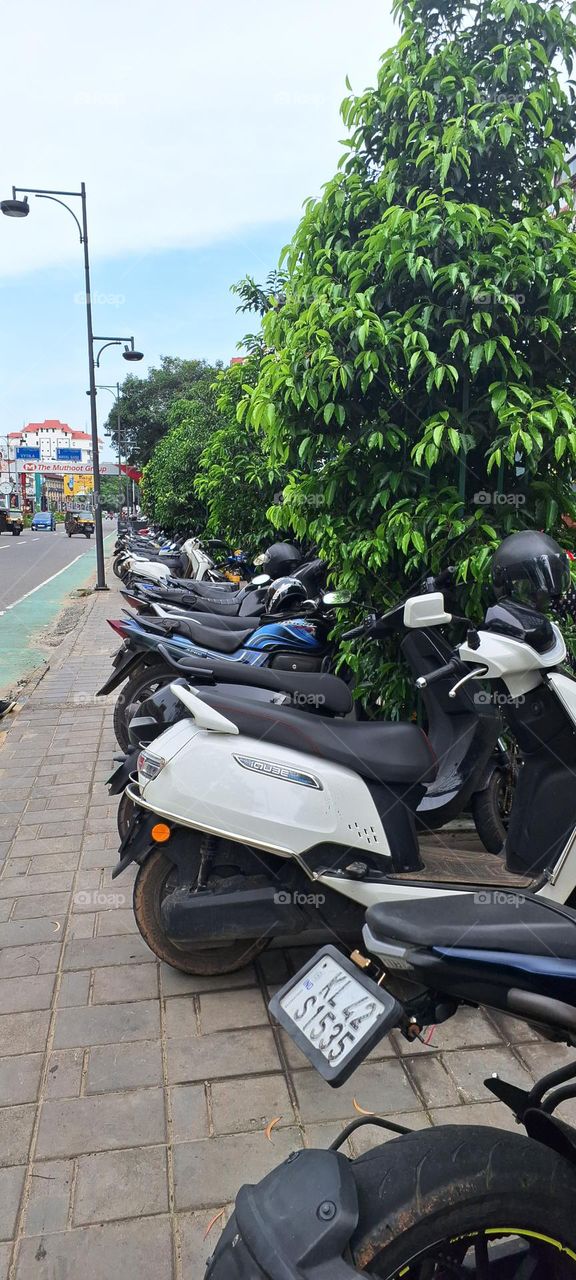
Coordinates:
<point>211,589</point>
<point>389,752</point>
<point>478,921</point>
<point>218,622</point>
<point>308,689</point>
<point>207,637</point>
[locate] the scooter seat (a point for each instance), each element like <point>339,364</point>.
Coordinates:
<point>211,589</point>
<point>309,689</point>
<point>477,922</point>
<point>208,637</point>
<point>389,752</point>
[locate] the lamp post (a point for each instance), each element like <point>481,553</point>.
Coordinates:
<point>115,391</point>
<point>16,208</point>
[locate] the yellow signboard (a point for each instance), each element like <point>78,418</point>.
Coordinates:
<point>74,485</point>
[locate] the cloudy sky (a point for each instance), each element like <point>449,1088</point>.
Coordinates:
<point>199,127</point>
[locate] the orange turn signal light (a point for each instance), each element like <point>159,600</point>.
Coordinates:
<point>160,832</point>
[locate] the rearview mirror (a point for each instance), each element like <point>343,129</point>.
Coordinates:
<point>336,597</point>
<point>426,611</point>
<point>261,558</point>
<point>261,580</point>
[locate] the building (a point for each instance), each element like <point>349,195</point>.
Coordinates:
<point>44,478</point>
<point>50,436</point>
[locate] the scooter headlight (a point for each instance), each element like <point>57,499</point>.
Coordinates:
<point>149,765</point>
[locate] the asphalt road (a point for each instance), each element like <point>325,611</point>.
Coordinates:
<point>26,562</point>
<point>37,572</point>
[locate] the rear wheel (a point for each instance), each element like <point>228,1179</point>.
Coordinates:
<point>140,686</point>
<point>152,884</point>
<point>465,1201</point>
<point>16,533</point>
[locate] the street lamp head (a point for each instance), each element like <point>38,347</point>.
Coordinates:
<point>129,354</point>
<point>15,208</point>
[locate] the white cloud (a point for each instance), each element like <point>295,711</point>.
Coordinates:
<point>189,120</point>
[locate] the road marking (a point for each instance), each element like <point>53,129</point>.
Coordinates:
<point>45,583</point>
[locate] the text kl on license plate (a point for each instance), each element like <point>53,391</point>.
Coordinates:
<point>331,1009</point>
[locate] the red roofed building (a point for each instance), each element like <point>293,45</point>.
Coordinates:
<point>48,437</point>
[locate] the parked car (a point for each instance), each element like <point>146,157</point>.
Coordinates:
<point>79,522</point>
<point>11,522</point>
<point>44,520</point>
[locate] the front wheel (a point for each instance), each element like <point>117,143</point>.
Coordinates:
<point>491,810</point>
<point>125,815</point>
<point>16,533</point>
<point>462,1200</point>
<point>152,884</point>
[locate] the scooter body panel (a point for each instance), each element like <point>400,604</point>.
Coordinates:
<point>261,794</point>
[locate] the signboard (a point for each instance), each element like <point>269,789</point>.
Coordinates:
<point>74,485</point>
<point>63,468</point>
<point>69,455</point>
<point>27,451</point>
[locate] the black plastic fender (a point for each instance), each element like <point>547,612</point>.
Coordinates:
<point>293,1225</point>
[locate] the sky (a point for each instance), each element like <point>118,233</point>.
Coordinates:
<point>199,129</point>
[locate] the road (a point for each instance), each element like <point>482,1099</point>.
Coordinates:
<point>37,572</point>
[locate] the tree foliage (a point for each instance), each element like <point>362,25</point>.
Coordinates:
<point>424,358</point>
<point>145,404</point>
<point>168,492</point>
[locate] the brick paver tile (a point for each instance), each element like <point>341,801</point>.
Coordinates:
<point>101,1123</point>
<point>11,1183</point>
<point>49,1197</point>
<point>125,981</point>
<point>139,1174</point>
<point>124,1066</point>
<point>107,1024</point>
<point>251,1104</point>
<point>20,1078</point>
<point>142,1247</point>
<point>232,1053</point>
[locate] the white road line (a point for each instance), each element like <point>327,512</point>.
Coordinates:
<point>45,583</point>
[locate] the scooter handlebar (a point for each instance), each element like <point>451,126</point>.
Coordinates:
<point>448,669</point>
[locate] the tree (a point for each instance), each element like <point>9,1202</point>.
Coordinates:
<point>234,477</point>
<point>145,404</point>
<point>112,489</point>
<point>420,376</point>
<point>168,492</point>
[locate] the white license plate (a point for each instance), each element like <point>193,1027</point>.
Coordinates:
<point>332,1010</point>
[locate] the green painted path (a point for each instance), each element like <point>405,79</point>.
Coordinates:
<point>21,623</point>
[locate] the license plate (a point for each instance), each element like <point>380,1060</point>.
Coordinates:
<point>334,1013</point>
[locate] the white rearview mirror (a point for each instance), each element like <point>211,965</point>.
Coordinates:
<point>426,611</point>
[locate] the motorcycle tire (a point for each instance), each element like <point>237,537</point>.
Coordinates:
<point>444,1201</point>
<point>148,893</point>
<point>116,565</point>
<point>126,812</point>
<point>140,686</point>
<point>489,812</point>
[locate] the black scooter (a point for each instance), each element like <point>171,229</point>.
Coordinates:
<point>458,1200</point>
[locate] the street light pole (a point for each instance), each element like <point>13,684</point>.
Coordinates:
<point>16,208</point>
<point>100,570</point>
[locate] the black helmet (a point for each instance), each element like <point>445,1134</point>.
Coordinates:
<point>528,565</point>
<point>280,559</point>
<point>285,595</point>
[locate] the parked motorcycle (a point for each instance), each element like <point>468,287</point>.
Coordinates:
<point>281,802</point>
<point>458,1200</point>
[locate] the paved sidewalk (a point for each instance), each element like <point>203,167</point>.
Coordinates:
<point>134,1100</point>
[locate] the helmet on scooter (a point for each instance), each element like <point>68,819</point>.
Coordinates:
<point>529,566</point>
<point>286,594</point>
<point>279,560</point>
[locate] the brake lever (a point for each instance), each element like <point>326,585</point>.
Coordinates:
<point>471,675</point>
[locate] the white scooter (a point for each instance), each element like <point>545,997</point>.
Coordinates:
<point>258,820</point>
<point>195,564</point>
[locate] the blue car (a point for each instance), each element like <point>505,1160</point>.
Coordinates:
<point>44,520</point>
